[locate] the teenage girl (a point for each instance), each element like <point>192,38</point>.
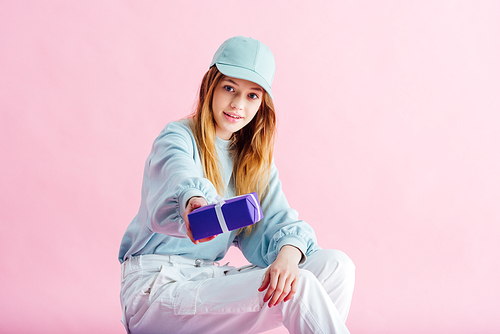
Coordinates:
<point>172,283</point>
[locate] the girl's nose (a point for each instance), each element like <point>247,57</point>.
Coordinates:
<point>237,103</point>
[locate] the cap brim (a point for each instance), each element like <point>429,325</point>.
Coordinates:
<point>245,74</point>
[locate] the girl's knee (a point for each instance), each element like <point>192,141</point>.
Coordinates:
<point>343,260</point>
<point>335,257</point>
<point>325,263</point>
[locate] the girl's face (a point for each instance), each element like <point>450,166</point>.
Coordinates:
<point>234,105</point>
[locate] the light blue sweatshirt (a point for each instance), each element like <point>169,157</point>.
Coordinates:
<point>172,175</point>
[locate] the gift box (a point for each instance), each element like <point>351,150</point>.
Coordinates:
<point>227,215</point>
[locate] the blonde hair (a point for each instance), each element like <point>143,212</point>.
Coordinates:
<point>251,147</point>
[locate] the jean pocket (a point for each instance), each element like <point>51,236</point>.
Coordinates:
<point>232,293</point>
<point>178,288</point>
<point>186,297</point>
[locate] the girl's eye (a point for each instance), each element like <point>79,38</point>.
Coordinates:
<point>229,88</point>
<point>253,96</point>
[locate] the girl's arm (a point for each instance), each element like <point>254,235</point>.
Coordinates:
<point>279,227</point>
<point>281,241</point>
<point>173,175</point>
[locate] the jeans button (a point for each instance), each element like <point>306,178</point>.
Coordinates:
<point>197,263</point>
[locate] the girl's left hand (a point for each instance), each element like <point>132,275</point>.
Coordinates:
<point>282,276</point>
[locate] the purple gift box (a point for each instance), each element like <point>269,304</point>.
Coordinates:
<point>229,214</point>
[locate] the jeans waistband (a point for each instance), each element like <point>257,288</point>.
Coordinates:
<point>155,261</point>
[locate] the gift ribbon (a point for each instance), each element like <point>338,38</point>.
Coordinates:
<point>220,216</point>
<point>218,212</point>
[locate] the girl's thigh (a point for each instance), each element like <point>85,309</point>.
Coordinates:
<point>222,304</point>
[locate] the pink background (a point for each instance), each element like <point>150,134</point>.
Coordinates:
<point>388,145</point>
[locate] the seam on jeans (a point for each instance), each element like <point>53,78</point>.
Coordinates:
<point>125,319</point>
<point>311,317</point>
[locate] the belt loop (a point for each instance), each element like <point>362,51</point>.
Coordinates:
<point>123,270</point>
<point>172,261</point>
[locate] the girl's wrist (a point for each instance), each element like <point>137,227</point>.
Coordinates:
<point>189,200</point>
<point>292,253</point>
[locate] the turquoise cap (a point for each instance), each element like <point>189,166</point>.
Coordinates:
<point>248,59</point>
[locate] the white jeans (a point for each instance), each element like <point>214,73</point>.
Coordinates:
<point>173,294</point>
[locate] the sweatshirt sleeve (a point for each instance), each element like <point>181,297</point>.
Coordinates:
<point>279,227</point>
<point>173,176</point>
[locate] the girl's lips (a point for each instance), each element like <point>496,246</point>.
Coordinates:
<point>232,119</point>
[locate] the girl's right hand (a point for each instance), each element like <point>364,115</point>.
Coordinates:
<point>193,204</point>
